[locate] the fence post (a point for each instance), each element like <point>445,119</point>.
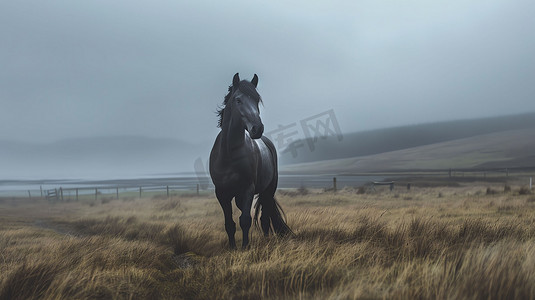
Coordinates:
<point>197,189</point>
<point>41,188</point>
<point>96,194</point>
<point>117,192</point>
<point>61,193</point>
<point>30,194</point>
<point>77,194</point>
<point>167,191</point>
<point>139,192</point>
<point>530,183</point>
<point>334,184</point>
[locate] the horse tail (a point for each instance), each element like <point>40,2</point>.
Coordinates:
<point>273,218</point>
<point>278,219</point>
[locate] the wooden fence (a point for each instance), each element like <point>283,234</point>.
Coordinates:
<point>75,194</point>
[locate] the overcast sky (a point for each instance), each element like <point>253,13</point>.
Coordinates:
<point>161,68</point>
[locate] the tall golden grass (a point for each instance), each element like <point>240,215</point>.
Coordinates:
<point>442,242</point>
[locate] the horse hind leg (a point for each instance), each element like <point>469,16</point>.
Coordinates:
<point>267,211</point>
<point>272,214</point>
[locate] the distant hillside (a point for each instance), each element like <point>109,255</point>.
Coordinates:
<point>405,137</point>
<point>505,149</point>
<point>98,156</point>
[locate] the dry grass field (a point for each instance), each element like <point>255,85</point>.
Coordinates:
<point>472,241</point>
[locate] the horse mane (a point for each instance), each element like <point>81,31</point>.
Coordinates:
<point>245,87</point>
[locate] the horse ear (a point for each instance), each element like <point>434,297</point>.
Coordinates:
<point>236,80</point>
<point>255,80</point>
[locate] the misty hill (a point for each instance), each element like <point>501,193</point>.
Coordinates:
<point>102,156</point>
<point>405,137</point>
<point>505,149</point>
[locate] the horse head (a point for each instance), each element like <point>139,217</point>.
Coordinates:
<point>244,100</point>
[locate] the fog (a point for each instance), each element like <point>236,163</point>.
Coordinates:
<point>72,69</point>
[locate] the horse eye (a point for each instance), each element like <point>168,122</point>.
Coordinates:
<point>238,100</point>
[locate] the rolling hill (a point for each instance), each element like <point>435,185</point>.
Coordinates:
<point>501,142</point>
<point>404,137</point>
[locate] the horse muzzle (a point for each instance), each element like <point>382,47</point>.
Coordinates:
<point>256,131</point>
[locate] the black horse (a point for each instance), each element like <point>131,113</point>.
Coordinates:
<point>243,163</point>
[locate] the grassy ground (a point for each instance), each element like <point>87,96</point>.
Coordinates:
<point>471,241</point>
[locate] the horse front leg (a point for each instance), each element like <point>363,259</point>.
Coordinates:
<point>244,201</point>
<point>225,200</point>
